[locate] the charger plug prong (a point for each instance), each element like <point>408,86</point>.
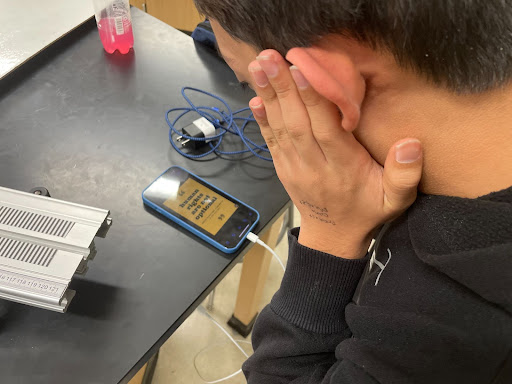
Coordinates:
<point>197,133</point>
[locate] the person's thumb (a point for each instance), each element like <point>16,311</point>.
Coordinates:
<point>402,174</point>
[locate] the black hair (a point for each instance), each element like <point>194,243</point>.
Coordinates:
<point>463,45</point>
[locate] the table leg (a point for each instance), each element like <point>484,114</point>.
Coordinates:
<point>252,280</point>
<point>145,375</point>
<point>137,379</point>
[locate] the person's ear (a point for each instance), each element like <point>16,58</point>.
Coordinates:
<point>334,76</point>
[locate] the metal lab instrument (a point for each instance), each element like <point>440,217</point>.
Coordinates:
<point>43,243</point>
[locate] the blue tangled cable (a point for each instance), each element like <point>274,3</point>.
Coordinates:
<point>225,121</point>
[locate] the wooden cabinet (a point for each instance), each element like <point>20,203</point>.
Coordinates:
<point>181,14</point>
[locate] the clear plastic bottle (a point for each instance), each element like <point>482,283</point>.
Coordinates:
<point>114,24</point>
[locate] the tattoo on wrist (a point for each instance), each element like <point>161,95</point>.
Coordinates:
<point>318,213</point>
<point>322,219</point>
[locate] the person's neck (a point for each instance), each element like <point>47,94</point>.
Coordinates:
<point>467,139</point>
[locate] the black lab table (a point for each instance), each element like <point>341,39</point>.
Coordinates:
<point>90,127</point>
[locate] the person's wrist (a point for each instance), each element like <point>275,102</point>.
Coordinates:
<point>344,244</point>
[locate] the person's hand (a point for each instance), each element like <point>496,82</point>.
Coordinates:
<point>341,192</point>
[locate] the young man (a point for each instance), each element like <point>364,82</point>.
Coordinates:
<point>383,96</point>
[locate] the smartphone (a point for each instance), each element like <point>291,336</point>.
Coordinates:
<point>206,211</point>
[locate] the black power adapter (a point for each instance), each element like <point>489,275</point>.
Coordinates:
<point>200,129</point>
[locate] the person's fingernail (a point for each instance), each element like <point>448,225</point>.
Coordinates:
<point>299,78</point>
<point>269,65</point>
<point>260,78</point>
<point>408,151</point>
<point>258,109</point>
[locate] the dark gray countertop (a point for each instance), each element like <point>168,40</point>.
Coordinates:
<point>90,127</point>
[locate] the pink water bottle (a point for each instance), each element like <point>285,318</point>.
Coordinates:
<point>114,24</point>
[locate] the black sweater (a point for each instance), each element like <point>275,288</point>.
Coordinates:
<point>439,312</point>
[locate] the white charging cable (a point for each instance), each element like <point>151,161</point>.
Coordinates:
<point>205,312</point>
<point>255,239</point>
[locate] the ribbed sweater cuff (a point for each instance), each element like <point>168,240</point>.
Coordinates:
<point>316,288</point>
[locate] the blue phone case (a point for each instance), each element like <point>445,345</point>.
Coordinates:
<point>185,225</point>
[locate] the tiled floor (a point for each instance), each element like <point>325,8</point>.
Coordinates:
<point>199,351</point>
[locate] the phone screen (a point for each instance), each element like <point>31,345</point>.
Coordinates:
<point>208,210</point>
<point>202,206</point>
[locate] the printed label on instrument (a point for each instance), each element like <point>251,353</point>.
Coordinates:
<point>200,205</point>
<point>31,284</point>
